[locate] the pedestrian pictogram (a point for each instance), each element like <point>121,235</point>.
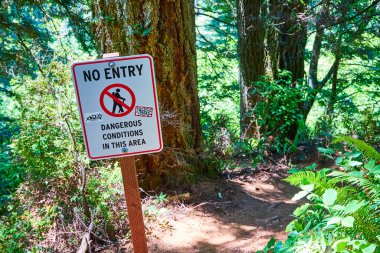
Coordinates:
<point>121,100</point>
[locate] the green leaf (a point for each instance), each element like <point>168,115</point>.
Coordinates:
<point>326,151</point>
<point>370,165</point>
<point>375,170</point>
<point>300,195</point>
<point>353,206</point>
<point>277,247</point>
<point>339,160</point>
<point>334,220</point>
<point>341,245</point>
<point>358,174</point>
<point>329,197</point>
<point>301,210</point>
<point>145,32</point>
<point>355,163</point>
<point>270,244</point>
<point>348,222</point>
<point>356,154</point>
<point>298,226</point>
<point>370,249</point>
<point>338,207</point>
<point>290,227</point>
<point>307,188</point>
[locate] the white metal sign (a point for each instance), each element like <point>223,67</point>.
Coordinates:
<point>118,106</point>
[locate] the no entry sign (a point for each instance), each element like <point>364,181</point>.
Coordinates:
<point>118,106</point>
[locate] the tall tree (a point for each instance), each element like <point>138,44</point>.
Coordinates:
<point>345,24</point>
<point>251,51</point>
<point>272,36</point>
<point>280,30</point>
<point>292,37</point>
<point>165,30</point>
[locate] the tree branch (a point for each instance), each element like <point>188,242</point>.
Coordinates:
<point>215,18</point>
<point>374,3</point>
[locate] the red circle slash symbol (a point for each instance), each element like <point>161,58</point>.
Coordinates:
<point>119,108</point>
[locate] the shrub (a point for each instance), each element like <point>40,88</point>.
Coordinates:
<point>342,214</point>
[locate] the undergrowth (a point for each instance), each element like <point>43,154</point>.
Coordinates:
<point>343,209</point>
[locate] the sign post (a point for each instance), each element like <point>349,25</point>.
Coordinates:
<point>132,195</point>
<point>118,108</point>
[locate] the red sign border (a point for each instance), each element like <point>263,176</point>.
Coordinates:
<point>123,58</point>
<point>119,85</point>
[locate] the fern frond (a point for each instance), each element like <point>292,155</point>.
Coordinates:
<point>319,179</point>
<point>368,151</point>
<point>371,188</point>
<point>367,223</point>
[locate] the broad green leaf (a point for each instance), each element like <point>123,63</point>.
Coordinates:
<point>340,245</point>
<point>370,249</point>
<point>311,167</point>
<point>339,160</point>
<point>269,245</point>
<point>353,206</point>
<point>356,154</point>
<point>338,207</point>
<point>348,222</point>
<point>329,197</point>
<point>356,174</point>
<point>334,220</point>
<point>301,210</point>
<point>355,163</point>
<point>375,170</point>
<point>298,226</point>
<point>306,228</point>
<point>356,244</point>
<point>290,227</point>
<point>308,187</point>
<point>370,165</point>
<point>300,195</point>
<point>277,247</point>
<point>326,151</point>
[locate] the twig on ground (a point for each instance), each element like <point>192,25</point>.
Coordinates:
<point>269,219</point>
<point>272,206</point>
<point>279,164</point>
<point>86,239</point>
<point>211,203</point>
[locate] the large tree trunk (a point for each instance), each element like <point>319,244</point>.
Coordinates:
<point>166,30</point>
<point>292,43</point>
<point>293,35</point>
<point>251,51</point>
<point>270,37</point>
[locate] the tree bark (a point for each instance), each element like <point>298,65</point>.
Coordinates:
<point>271,36</point>
<point>292,43</point>
<point>251,51</point>
<point>293,36</point>
<point>333,95</point>
<point>164,29</point>
<point>334,81</point>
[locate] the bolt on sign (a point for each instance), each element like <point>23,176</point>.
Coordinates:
<point>118,106</point>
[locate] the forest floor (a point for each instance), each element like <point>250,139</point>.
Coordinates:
<point>238,212</point>
<point>252,209</point>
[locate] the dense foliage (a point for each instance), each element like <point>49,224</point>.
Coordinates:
<point>342,212</point>
<point>59,190</point>
<point>50,193</point>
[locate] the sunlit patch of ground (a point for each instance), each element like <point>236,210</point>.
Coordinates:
<point>227,215</point>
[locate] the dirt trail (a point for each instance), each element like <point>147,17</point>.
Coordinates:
<point>239,214</point>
